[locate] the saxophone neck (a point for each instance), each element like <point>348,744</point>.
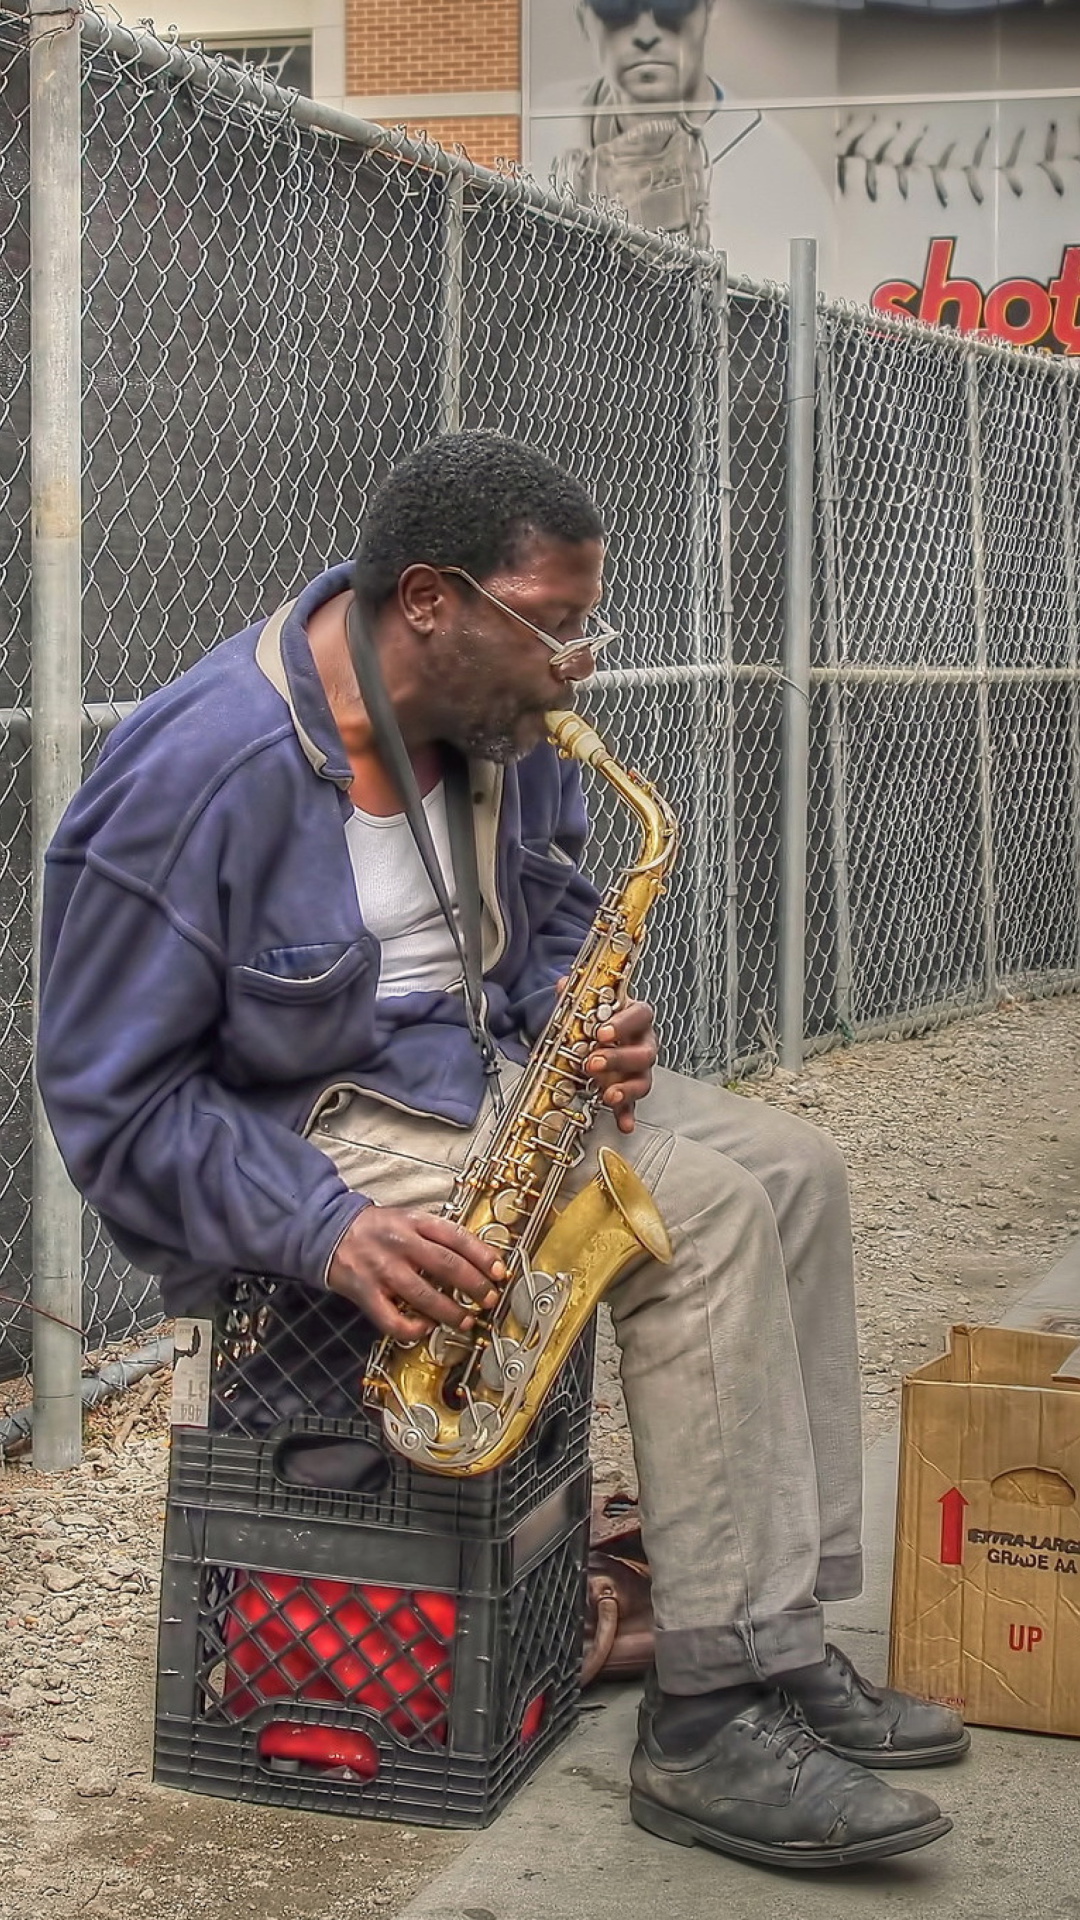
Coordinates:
<point>575,739</point>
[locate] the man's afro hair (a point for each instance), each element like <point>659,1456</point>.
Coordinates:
<point>467,500</point>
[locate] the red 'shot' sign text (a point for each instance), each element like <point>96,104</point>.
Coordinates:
<point>1024,312</point>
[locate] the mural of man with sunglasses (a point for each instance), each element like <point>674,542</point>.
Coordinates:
<point>660,141</point>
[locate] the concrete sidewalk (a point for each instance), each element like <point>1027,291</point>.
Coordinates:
<point>566,1849</point>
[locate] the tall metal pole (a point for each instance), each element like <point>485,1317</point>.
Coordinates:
<point>1065,382</point>
<point>56,678</point>
<point>453,304</point>
<point>704,375</point>
<point>987,873</point>
<point>836,694</point>
<point>798,577</point>
<point>729,715</point>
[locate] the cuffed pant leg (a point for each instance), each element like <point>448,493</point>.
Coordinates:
<point>718,1418</point>
<point>804,1175</point>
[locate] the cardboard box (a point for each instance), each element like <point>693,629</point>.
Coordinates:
<point>986,1584</point>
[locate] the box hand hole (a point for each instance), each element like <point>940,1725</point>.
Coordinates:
<point>1036,1486</point>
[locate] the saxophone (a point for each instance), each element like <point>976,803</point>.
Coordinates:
<point>458,1402</point>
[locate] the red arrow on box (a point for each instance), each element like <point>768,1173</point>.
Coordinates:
<point>952,1527</point>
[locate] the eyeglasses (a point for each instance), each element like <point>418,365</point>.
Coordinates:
<point>595,634</point>
<point>622,13</point>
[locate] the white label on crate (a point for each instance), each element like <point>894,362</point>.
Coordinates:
<point>193,1343</point>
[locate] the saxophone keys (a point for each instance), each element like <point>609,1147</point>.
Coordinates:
<point>478,1423</point>
<point>553,1292</point>
<point>521,1301</point>
<point>503,1365</point>
<point>446,1346</point>
<point>506,1207</point>
<point>419,1428</point>
<point>491,1373</point>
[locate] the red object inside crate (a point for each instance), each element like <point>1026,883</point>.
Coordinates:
<point>387,1649</point>
<point>332,1748</point>
<point>533,1718</point>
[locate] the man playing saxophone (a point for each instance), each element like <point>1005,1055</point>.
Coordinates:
<point>262,1047</point>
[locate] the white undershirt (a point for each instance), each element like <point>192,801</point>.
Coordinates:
<point>397,901</point>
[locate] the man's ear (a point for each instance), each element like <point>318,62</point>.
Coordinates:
<point>421,595</point>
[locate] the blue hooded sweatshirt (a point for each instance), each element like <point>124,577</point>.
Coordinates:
<point>207,975</point>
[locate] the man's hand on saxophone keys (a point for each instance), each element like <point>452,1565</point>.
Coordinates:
<point>623,1059</point>
<point>401,1266</point>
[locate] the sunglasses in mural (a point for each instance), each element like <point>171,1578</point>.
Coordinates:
<point>623,13</point>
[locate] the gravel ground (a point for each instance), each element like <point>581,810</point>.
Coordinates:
<point>963,1149</point>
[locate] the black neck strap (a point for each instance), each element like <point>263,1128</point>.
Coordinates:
<point>467,936</point>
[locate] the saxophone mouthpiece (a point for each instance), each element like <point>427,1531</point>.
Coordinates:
<point>574,737</point>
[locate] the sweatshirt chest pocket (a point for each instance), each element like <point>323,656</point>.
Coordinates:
<point>301,1010</point>
<point>544,879</point>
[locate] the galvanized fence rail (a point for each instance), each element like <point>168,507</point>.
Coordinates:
<point>844,553</point>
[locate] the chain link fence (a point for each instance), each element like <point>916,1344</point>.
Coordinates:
<point>277,305</point>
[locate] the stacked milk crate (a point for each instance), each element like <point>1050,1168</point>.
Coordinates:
<point>340,1630</point>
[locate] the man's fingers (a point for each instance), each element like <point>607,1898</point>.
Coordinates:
<point>617,1066</point>
<point>387,1315</point>
<point>452,1253</point>
<point>413,1291</point>
<point>629,1024</point>
<point>486,1259</point>
<point>423,1274</point>
<point>626,1092</point>
<point>406,1328</point>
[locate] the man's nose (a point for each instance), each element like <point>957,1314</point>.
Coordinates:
<point>579,665</point>
<point>646,34</point>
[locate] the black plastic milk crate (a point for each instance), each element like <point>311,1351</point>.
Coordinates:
<point>396,1676</point>
<point>287,1427</point>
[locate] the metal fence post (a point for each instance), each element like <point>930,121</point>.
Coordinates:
<point>982,686</point>
<point>704,373</point>
<point>453,303</point>
<point>726,487</point>
<point>56,665</point>
<point>795,725</point>
<point>835,658</point>
<point>1072,616</point>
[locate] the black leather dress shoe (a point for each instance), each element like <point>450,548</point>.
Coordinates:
<point>876,1725</point>
<point>766,1789</point>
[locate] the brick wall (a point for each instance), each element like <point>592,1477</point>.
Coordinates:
<point>485,139</point>
<point>432,46</point>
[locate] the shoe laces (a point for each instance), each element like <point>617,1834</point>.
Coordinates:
<point>838,1660</point>
<point>788,1734</point>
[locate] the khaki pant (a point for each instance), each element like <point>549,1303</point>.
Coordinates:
<point>739,1360</point>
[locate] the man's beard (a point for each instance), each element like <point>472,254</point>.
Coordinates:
<point>481,724</point>
<point>486,739</point>
<point>481,733</point>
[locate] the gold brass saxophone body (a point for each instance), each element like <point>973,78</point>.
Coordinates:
<point>461,1403</point>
